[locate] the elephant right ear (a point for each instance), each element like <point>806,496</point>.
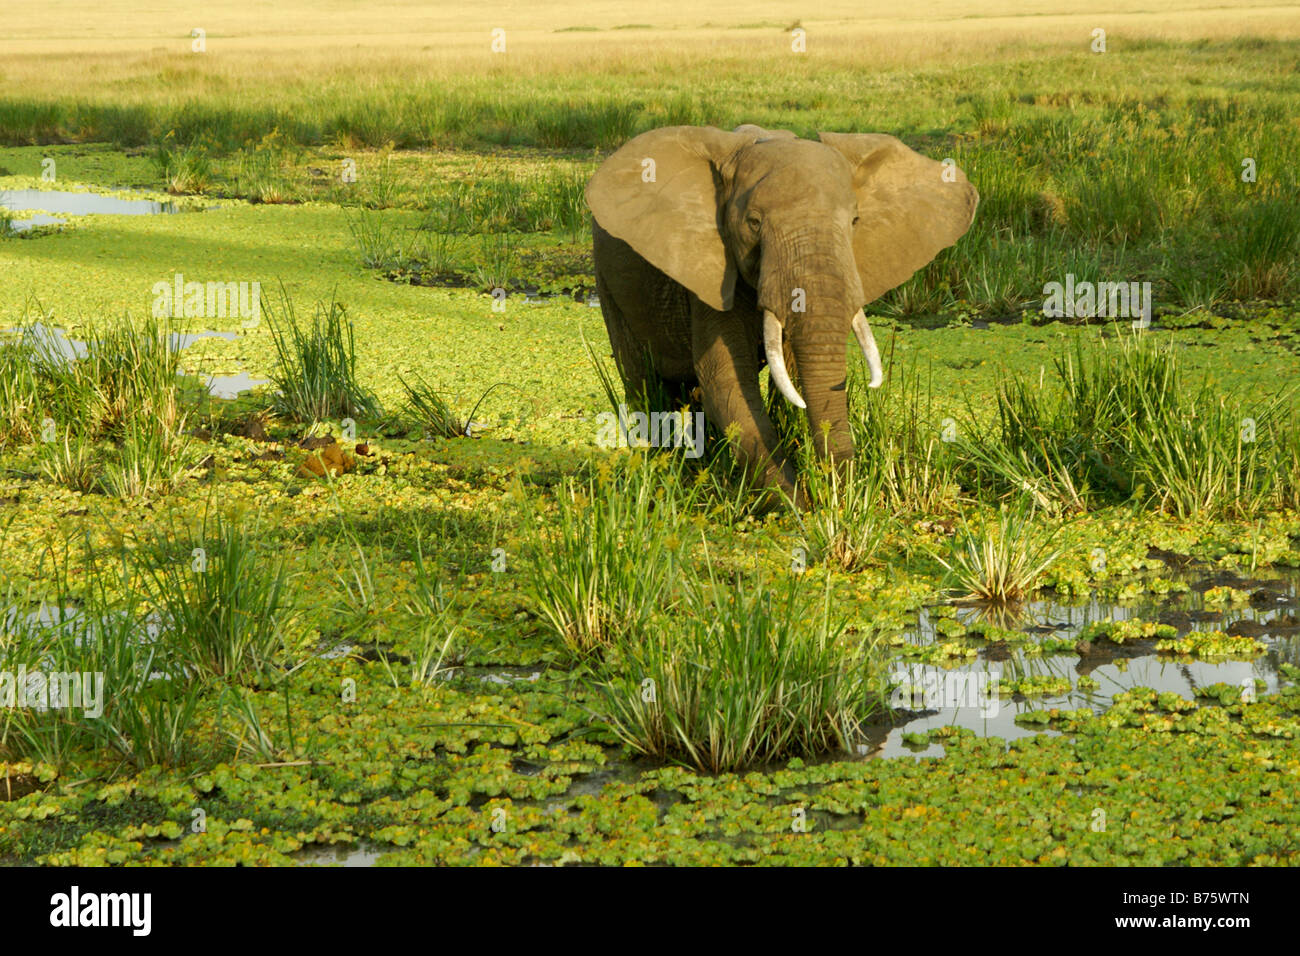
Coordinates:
<point>909,207</point>
<point>661,194</point>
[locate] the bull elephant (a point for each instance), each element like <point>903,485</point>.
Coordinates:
<point>718,252</point>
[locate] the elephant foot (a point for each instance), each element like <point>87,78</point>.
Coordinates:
<point>779,488</point>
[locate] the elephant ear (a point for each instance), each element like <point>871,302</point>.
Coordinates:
<point>907,210</point>
<point>661,194</point>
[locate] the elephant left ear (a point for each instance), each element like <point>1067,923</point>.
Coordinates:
<point>909,207</point>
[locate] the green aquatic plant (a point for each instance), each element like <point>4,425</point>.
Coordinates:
<point>441,642</point>
<point>223,596</point>
<point>1206,456</point>
<point>183,168</point>
<point>1003,562</point>
<point>497,262</point>
<point>1118,421</point>
<point>1260,262</point>
<point>610,554</point>
<point>1212,645</point>
<point>151,460</point>
<point>843,522</point>
<point>742,675</point>
<point>262,171</point>
<point>380,242</point>
<point>119,384</point>
<point>123,371</point>
<point>430,411</point>
<point>1127,630</point>
<point>316,366</point>
<point>70,462</point>
<point>20,395</point>
<point>903,441</point>
<point>119,687</point>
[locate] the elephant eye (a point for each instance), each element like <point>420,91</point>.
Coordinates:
<point>855,220</point>
<point>753,222</point>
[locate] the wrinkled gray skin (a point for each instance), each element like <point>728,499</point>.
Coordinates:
<point>702,234</point>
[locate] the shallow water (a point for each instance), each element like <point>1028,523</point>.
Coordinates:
<point>50,342</point>
<point>232,386</point>
<point>1116,668</point>
<point>183,340</point>
<point>339,854</point>
<point>74,204</point>
<point>54,343</point>
<point>35,219</point>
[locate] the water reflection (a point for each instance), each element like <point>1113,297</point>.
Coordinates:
<point>1270,617</point>
<point>73,204</point>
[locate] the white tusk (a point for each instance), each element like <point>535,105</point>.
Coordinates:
<point>776,359</point>
<point>868,342</point>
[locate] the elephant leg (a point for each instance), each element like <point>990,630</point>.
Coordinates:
<point>726,363</point>
<point>631,357</point>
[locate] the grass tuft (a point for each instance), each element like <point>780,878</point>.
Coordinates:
<point>316,366</point>
<point>742,676</point>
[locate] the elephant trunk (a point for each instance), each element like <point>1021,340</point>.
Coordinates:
<point>820,355</point>
<point>810,295</point>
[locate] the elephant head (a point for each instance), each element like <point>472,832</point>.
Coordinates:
<point>815,229</point>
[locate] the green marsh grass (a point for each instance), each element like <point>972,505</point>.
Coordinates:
<point>1263,247</point>
<point>1001,563</point>
<point>27,645</point>
<point>116,407</point>
<point>316,365</point>
<point>148,704</point>
<point>1118,420</point>
<point>497,262</point>
<point>128,371</point>
<point>900,436</point>
<point>844,521</point>
<point>224,600</point>
<point>381,244</point>
<point>429,633</point>
<point>440,252</point>
<point>1208,457</point>
<point>426,407</point>
<point>742,674</point>
<point>606,561</point>
<point>263,172</point>
<point>251,736</point>
<point>441,642</point>
<point>183,168</point>
<point>20,395</point>
<point>1286,466</point>
<point>357,604</point>
<point>70,462</point>
<point>151,460</point>
<point>381,186</point>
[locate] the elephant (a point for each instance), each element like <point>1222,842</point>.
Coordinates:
<point>717,252</point>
